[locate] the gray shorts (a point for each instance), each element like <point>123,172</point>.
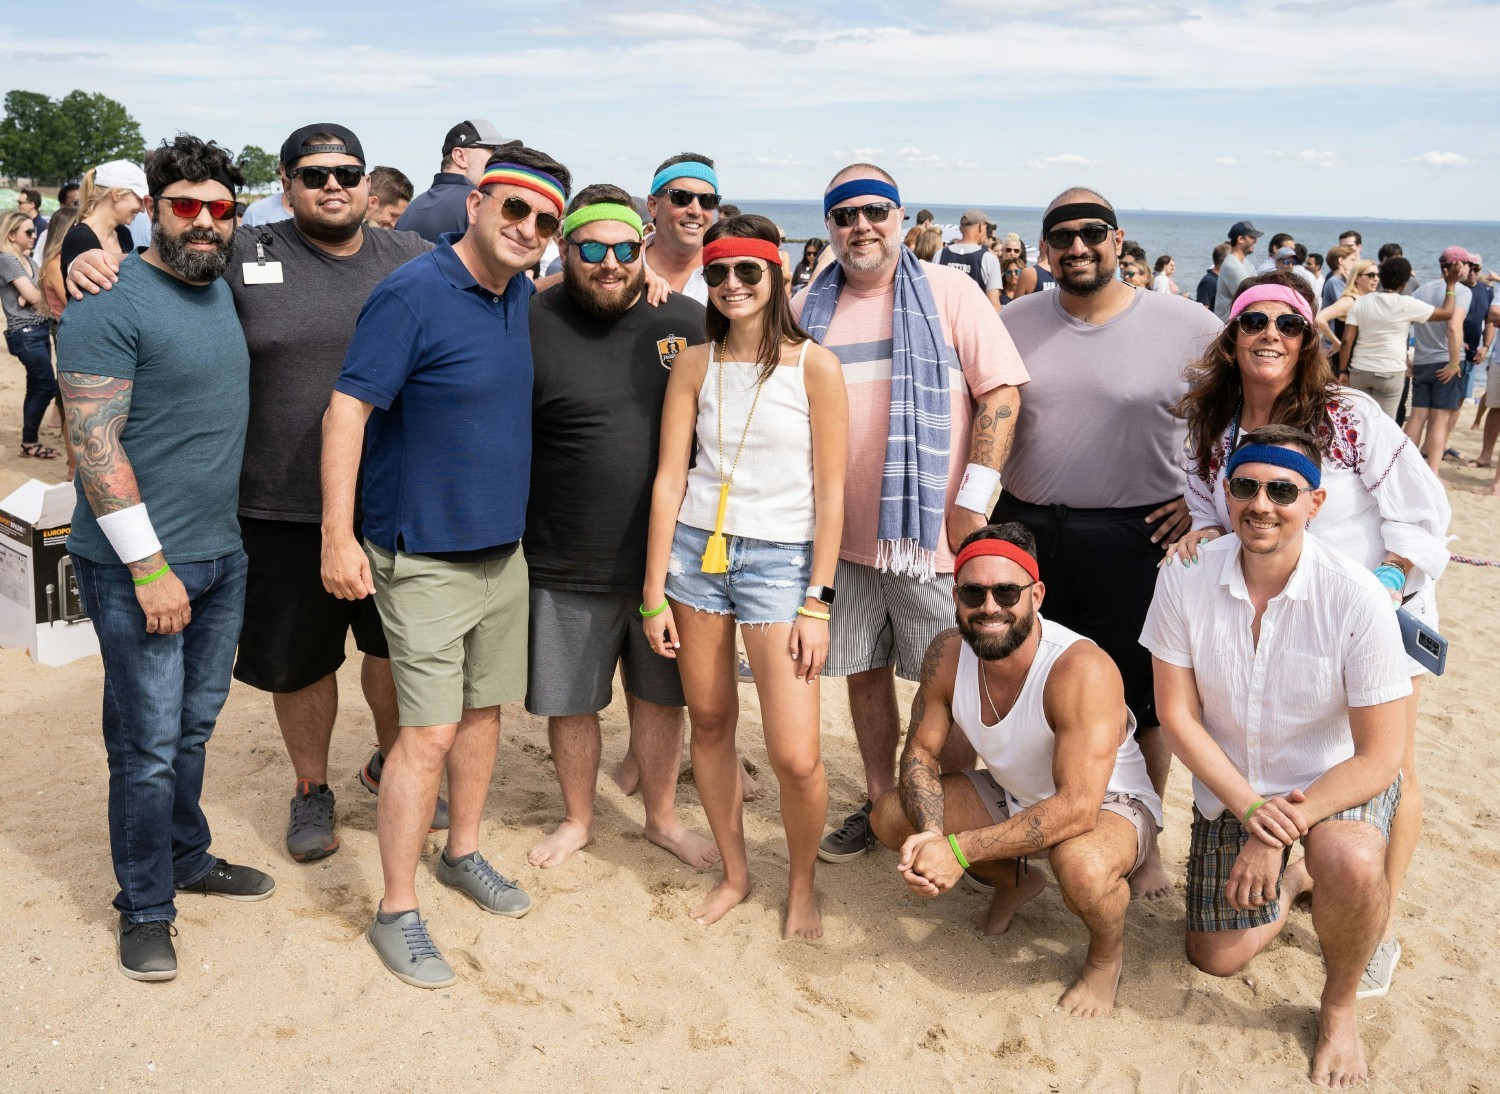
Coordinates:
<point>881,619</point>
<point>992,794</point>
<point>577,639</point>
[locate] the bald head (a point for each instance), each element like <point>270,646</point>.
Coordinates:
<point>1079,194</point>
<point>859,171</point>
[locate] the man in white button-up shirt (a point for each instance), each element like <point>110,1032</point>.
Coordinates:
<point>1279,678</point>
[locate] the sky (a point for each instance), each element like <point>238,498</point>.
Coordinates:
<point>1370,108</point>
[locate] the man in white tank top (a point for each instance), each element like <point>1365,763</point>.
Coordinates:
<point>1045,709</point>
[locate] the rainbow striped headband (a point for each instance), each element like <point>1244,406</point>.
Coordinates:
<point>513,174</point>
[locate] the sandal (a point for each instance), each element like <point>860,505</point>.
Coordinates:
<point>38,451</point>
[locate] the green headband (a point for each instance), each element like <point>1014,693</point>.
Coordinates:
<point>603,210</point>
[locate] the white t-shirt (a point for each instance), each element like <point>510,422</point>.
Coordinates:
<point>1384,318</point>
<point>1161,283</point>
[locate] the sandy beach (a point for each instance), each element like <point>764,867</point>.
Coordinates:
<point>608,985</point>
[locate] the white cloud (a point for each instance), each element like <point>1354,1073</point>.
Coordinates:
<point>918,158</point>
<point>1441,159</point>
<point>1308,157</point>
<point>780,161</point>
<point>1062,159</point>
<point>1226,161</point>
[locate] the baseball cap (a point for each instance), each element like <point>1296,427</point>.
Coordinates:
<point>1244,228</point>
<point>972,217</point>
<point>121,175</point>
<point>474,133</point>
<point>1286,252</point>
<point>299,143</point>
<point>1455,254</point>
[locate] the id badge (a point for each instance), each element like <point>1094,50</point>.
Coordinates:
<point>262,273</point>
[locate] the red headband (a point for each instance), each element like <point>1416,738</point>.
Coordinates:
<point>740,247</point>
<point>1001,549</point>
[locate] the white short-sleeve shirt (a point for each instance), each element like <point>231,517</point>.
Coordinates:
<point>1279,709</point>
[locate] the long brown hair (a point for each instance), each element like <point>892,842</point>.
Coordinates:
<point>1215,392</point>
<point>780,326</point>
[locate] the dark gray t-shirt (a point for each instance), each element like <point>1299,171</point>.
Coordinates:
<point>18,315</point>
<point>298,332</point>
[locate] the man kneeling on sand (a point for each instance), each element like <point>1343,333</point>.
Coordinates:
<point>1045,709</point>
<point>1280,677</point>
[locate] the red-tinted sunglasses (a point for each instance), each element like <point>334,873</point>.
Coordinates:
<point>189,208</point>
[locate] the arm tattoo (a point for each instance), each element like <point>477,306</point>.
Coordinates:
<point>989,440</point>
<point>97,409</point>
<point>1027,833</point>
<point>921,785</point>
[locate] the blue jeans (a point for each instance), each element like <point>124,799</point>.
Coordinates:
<point>162,694</point>
<point>33,347</point>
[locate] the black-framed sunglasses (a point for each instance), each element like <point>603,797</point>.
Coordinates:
<point>348,175</point>
<point>877,212</point>
<point>749,273</point>
<point>592,251</point>
<point>1287,324</point>
<point>1060,239</point>
<point>513,208</point>
<point>1281,492</point>
<point>683,198</point>
<point>972,595</point>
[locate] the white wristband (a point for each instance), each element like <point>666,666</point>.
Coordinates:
<point>130,533</point>
<point>978,488</point>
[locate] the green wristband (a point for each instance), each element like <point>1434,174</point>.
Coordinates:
<point>953,843</point>
<point>1251,811</point>
<point>654,611</point>
<point>149,578</point>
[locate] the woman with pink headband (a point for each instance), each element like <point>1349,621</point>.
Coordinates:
<point>1385,507</point>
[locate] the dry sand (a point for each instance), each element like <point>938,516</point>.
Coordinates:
<point>607,982</point>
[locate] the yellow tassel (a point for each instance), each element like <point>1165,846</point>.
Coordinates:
<point>716,554</point>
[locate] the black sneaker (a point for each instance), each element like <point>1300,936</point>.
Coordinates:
<point>309,831</point>
<point>234,882</point>
<point>146,950</point>
<point>851,839</point>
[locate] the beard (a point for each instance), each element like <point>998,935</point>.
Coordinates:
<point>199,267</point>
<point>987,647</point>
<point>599,303</point>
<point>327,228</point>
<point>1083,283</point>
<point>886,255</point>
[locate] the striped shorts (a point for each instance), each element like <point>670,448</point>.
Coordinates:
<point>881,619</point>
<point>1216,844</point>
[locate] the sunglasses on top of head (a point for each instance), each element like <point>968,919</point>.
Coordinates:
<point>876,212</point>
<point>513,208</point>
<point>1287,324</point>
<point>189,208</point>
<point>348,175</point>
<point>749,273</point>
<point>1279,491</point>
<point>593,251</point>
<point>683,198</point>
<point>1007,595</point>
<point>1060,239</point>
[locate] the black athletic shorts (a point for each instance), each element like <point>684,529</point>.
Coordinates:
<point>1099,566</point>
<point>295,630</point>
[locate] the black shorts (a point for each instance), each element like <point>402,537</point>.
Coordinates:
<point>295,630</point>
<point>1099,566</point>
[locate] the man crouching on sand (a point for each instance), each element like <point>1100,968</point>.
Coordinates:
<point>1045,709</point>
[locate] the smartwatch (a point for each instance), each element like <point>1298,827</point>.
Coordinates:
<point>820,592</point>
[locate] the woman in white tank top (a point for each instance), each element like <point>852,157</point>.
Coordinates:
<point>750,534</point>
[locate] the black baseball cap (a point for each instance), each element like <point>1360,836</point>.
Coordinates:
<point>475,133</point>
<point>300,143</point>
<point>1244,228</point>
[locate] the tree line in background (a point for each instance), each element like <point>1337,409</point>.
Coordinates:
<point>52,141</point>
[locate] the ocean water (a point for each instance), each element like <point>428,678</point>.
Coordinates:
<point>1191,237</point>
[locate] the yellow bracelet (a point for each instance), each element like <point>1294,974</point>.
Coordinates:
<point>824,616</point>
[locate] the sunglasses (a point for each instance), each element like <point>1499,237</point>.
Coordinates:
<point>1279,491</point>
<point>1060,239</point>
<point>1287,324</point>
<point>189,208</point>
<point>315,178</point>
<point>625,253</point>
<point>513,208</point>
<point>1371,273</point>
<point>29,233</point>
<point>683,198</point>
<point>1007,596</point>
<point>876,213</point>
<point>749,273</point>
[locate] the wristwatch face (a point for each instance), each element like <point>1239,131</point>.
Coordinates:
<point>821,592</point>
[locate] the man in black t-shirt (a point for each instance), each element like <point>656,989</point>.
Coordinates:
<point>602,355</point>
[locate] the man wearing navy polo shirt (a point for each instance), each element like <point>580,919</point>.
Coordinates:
<point>436,393</point>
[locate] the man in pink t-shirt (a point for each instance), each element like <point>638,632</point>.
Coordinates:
<point>883,620</point>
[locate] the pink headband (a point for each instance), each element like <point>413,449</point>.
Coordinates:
<point>1280,293</point>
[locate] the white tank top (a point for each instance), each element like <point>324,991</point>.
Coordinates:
<point>771,497</point>
<point>1018,750</point>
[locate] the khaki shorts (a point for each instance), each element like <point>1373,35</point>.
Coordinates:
<point>992,794</point>
<point>457,632</point>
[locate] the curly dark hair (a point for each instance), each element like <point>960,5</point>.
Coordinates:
<point>185,158</point>
<point>1214,389</point>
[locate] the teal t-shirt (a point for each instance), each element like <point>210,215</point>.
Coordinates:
<point>182,348</point>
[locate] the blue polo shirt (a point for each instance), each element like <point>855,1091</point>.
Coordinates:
<point>447,366</point>
<point>442,208</point>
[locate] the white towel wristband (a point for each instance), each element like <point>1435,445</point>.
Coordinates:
<point>130,533</point>
<point>978,488</point>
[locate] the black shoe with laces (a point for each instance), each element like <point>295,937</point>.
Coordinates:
<point>309,832</point>
<point>234,882</point>
<point>146,950</point>
<point>851,839</point>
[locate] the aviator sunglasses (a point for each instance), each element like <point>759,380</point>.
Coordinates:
<point>1007,596</point>
<point>348,175</point>
<point>1060,239</point>
<point>189,208</point>
<point>1287,324</point>
<point>876,213</point>
<point>625,253</point>
<point>513,208</point>
<point>683,198</point>
<point>749,273</point>
<point>1279,491</point>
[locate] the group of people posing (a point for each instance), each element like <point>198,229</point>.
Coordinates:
<point>510,491</point>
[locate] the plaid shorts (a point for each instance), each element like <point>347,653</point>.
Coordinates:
<point>1216,844</point>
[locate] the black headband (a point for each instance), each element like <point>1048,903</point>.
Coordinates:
<point>1077,211</point>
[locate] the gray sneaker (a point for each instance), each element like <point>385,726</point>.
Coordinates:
<point>408,951</point>
<point>369,777</point>
<point>146,950</point>
<point>484,885</point>
<point>851,839</point>
<point>309,833</point>
<point>1376,980</point>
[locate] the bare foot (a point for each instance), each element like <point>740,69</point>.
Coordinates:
<point>1490,491</point>
<point>1339,1059</point>
<point>1296,884</point>
<point>1151,881</point>
<point>1093,995</point>
<point>569,836</point>
<point>691,848</point>
<point>803,920</point>
<point>714,907</point>
<point>628,775</point>
<point>750,790</point>
<point>1008,897</point>
<point>1479,463</point>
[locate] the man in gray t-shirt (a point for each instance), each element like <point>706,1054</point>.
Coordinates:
<point>1236,265</point>
<point>1437,371</point>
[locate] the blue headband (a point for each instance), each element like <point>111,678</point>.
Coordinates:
<point>1277,456</point>
<point>856,188</point>
<point>688,169</point>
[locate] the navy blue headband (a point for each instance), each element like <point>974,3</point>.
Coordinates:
<point>858,188</point>
<point>1276,456</point>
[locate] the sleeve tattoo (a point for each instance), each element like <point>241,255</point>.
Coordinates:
<point>921,784</point>
<point>97,409</point>
<point>982,445</point>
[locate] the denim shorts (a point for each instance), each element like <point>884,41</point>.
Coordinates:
<point>1427,391</point>
<point>766,582</point>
